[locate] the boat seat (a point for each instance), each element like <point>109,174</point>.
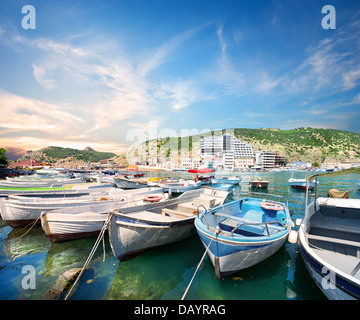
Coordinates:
<point>230,222</point>
<point>254,216</point>
<point>176,213</point>
<point>334,240</point>
<point>320,221</point>
<point>191,206</point>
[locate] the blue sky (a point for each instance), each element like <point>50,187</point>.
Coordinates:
<point>99,73</point>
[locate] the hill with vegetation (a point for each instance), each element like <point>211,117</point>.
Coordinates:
<point>58,154</point>
<point>301,144</point>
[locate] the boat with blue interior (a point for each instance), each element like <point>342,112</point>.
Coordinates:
<point>243,233</point>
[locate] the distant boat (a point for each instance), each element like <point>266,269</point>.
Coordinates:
<point>259,183</point>
<point>227,180</point>
<point>224,186</point>
<point>127,183</point>
<point>300,184</point>
<point>329,241</point>
<point>133,230</point>
<point>179,186</point>
<point>242,233</point>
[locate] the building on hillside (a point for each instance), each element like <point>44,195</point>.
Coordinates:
<point>243,163</point>
<point>270,159</point>
<point>225,147</point>
<point>31,164</point>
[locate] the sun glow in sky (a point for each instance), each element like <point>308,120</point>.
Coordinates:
<point>94,73</point>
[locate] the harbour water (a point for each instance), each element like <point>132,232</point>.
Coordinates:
<point>163,273</point>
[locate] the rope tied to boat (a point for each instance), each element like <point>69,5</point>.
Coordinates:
<point>97,242</point>
<point>217,231</point>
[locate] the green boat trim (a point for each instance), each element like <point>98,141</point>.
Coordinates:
<point>36,189</point>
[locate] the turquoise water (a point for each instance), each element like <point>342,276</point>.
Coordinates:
<point>163,273</point>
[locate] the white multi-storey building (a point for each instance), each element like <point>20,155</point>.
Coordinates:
<point>218,145</point>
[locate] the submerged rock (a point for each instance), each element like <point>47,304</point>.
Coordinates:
<point>62,284</point>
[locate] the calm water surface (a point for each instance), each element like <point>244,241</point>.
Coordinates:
<point>163,273</point>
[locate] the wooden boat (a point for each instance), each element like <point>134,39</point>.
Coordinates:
<point>133,230</point>
<point>179,186</point>
<point>223,186</point>
<point>259,183</point>
<point>227,180</point>
<point>300,184</point>
<point>243,233</point>
<point>19,212</point>
<point>38,183</point>
<point>329,241</point>
<point>64,190</point>
<point>64,224</point>
<point>126,183</point>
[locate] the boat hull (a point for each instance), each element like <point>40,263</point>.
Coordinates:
<point>340,288</point>
<point>259,184</point>
<point>66,227</point>
<point>21,215</point>
<point>229,257</point>
<point>129,237</point>
<point>129,184</point>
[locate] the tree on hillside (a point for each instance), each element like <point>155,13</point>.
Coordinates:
<point>3,160</point>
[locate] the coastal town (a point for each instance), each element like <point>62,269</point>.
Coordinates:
<point>219,153</point>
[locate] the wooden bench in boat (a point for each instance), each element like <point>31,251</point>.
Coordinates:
<point>255,227</point>
<point>176,213</point>
<point>334,240</point>
<point>334,224</point>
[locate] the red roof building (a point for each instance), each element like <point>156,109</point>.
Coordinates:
<point>26,163</point>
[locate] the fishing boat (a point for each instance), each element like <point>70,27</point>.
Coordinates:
<point>223,186</point>
<point>128,183</point>
<point>20,212</point>
<point>259,183</point>
<point>243,233</point>
<point>75,189</point>
<point>329,241</point>
<point>300,184</point>
<point>179,186</point>
<point>227,180</point>
<point>76,222</point>
<point>133,230</point>
<point>38,183</point>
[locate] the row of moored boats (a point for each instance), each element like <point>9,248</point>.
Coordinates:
<point>141,214</point>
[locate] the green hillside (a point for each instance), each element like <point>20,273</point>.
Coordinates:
<point>53,154</point>
<point>301,144</point>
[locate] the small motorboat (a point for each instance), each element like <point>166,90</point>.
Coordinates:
<point>259,183</point>
<point>300,184</point>
<point>227,180</point>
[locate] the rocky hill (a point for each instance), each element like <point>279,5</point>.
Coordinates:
<point>301,144</point>
<point>61,156</point>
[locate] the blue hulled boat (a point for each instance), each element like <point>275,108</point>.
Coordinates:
<point>242,233</point>
<point>224,186</point>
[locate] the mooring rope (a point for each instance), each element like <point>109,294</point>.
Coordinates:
<point>97,242</point>
<point>217,230</point>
